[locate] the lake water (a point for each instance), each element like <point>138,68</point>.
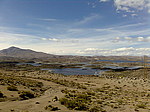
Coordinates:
<point>121,61</point>
<point>77,71</point>
<point>33,64</point>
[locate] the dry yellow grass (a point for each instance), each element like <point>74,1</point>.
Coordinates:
<point>96,94</point>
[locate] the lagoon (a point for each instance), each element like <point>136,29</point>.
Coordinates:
<point>77,71</point>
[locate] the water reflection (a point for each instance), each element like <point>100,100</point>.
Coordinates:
<point>77,71</point>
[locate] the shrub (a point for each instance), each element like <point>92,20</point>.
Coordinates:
<point>26,95</point>
<point>51,108</point>
<point>120,101</point>
<point>1,95</point>
<point>142,105</point>
<point>96,109</point>
<point>63,101</point>
<point>12,88</point>
<point>73,104</point>
<point>91,93</point>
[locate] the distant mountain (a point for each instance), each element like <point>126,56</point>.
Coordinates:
<point>18,54</point>
<point>23,53</point>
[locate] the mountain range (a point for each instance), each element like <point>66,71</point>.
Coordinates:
<point>15,53</point>
<point>18,54</point>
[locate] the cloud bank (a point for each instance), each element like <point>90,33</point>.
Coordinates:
<point>131,6</point>
<point>132,39</point>
<point>126,51</point>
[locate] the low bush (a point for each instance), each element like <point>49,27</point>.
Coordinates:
<point>1,95</point>
<point>96,109</point>
<point>51,108</point>
<point>12,88</point>
<point>73,104</point>
<point>26,95</point>
<point>142,105</point>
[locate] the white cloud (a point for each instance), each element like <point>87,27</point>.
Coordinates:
<point>128,38</point>
<point>123,49</point>
<point>132,39</point>
<point>47,19</point>
<point>54,39</point>
<point>117,39</point>
<point>124,15</point>
<point>127,4</point>
<point>132,5</point>
<point>140,39</point>
<point>60,40</point>
<point>133,15</point>
<point>44,39</point>
<point>88,19</point>
<point>15,37</point>
<point>104,0</point>
<point>75,30</point>
<point>51,39</point>
<point>116,52</point>
<point>91,49</point>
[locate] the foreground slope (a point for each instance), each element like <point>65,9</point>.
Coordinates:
<point>79,93</point>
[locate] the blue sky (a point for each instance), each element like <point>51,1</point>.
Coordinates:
<point>77,27</point>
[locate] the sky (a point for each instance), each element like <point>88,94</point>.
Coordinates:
<point>77,27</point>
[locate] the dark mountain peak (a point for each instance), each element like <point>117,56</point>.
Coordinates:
<point>22,53</point>
<point>13,47</point>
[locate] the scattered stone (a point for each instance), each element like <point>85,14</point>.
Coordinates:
<point>12,110</point>
<point>55,99</point>
<point>37,102</point>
